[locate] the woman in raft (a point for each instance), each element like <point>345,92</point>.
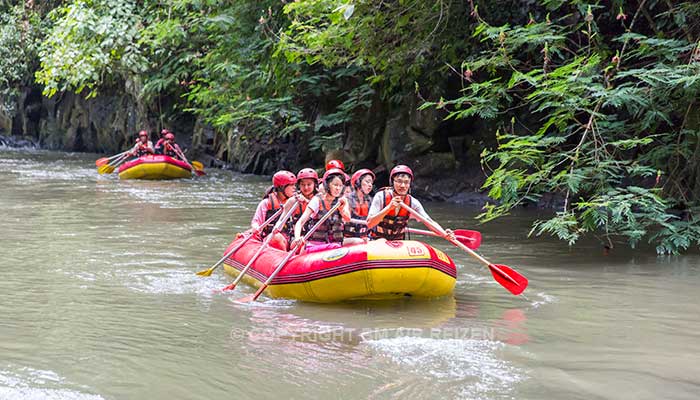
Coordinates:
<point>276,196</point>
<point>330,233</point>
<point>362,182</point>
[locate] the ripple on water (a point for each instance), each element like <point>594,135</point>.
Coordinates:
<point>469,368</point>
<point>29,384</point>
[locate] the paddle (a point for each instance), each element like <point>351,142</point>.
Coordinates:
<point>106,160</point>
<point>278,227</point>
<point>208,271</point>
<point>292,251</point>
<point>507,277</point>
<point>109,168</point>
<point>471,239</point>
<point>196,171</point>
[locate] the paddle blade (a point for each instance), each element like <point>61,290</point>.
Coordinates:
<point>199,172</point>
<point>229,287</point>
<point>206,272</point>
<point>471,239</point>
<point>252,297</point>
<point>508,278</point>
<point>105,169</point>
<point>101,161</point>
<point>248,299</point>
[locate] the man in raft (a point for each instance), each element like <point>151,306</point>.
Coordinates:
<point>276,196</point>
<point>159,143</point>
<point>386,215</point>
<point>143,146</point>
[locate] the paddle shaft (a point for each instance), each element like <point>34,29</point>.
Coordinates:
<point>294,250</point>
<point>235,249</point>
<point>437,229</point>
<point>430,233</point>
<point>441,232</point>
<point>277,228</point>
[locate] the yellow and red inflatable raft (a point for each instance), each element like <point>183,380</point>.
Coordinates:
<point>155,167</point>
<point>374,271</point>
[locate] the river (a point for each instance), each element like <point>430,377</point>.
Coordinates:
<point>99,300</point>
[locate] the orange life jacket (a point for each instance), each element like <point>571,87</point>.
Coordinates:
<point>359,208</point>
<point>393,226</point>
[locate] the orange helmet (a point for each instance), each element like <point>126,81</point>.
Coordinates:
<point>169,136</point>
<point>143,133</point>
<point>335,164</point>
<point>357,176</point>
<point>283,178</point>
<point>400,169</point>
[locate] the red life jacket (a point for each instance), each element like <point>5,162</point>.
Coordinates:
<point>393,226</point>
<point>331,230</point>
<point>359,208</point>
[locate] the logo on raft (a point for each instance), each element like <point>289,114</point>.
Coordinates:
<point>394,243</point>
<point>336,254</point>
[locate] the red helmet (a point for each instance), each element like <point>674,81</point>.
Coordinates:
<point>283,178</point>
<point>335,171</point>
<point>169,136</point>
<point>399,169</point>
<point>307,173</point>
<point>359,174</point>
<point>163,132</point>
<point>143,133</point>
<point>335,164</point>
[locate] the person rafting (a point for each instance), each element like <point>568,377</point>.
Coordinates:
<point>307,188</point>
<point>170,148</point>
<point>386,215</point>
<point>159,143</point>
<point>143,146</point>
<point>362,182</point>
<point>276,196</point>
<point>331,230</point>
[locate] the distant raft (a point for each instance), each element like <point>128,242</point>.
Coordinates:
<point>377,270</point>
<point>154,167</point>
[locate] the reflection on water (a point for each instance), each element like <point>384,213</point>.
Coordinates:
<point>99,300</point>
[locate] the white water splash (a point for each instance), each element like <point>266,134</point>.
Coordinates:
<point>472,367</point>
<point>33,384</point>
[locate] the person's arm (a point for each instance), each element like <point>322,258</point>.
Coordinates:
<point>416,205</point>
<point>344,209</point>
<point>311,209</point>
<point>260,213</point>
<point>377,210</point>
<point>150,147</point>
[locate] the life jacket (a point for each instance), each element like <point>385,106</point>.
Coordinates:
<point>393,226</point>
<point>296,216</point>
<point>275,205</point>
<point>358,210</point>
<point>331,230</point>
<point>169,150</point>
<point>159,146</point>
<point>142,149</point>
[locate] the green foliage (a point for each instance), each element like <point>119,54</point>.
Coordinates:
<point>595,101</point>
<point>604,115</point>
<point>91,42</point>
<point>18,41</point>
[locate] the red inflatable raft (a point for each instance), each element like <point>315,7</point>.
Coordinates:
<point>377,270</point>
